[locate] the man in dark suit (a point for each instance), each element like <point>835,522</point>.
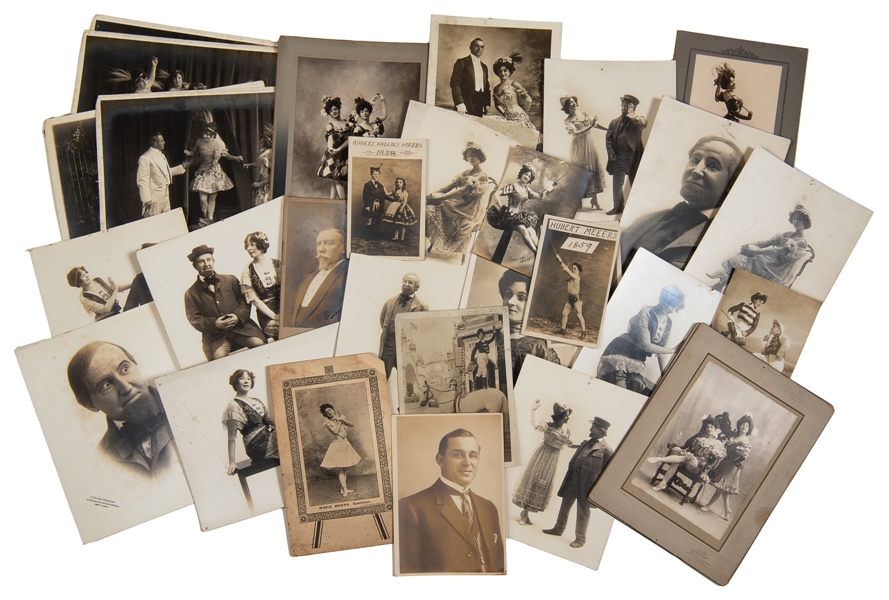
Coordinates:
<point>584,469</point>
<point>374,197</point>
<point>623,141</point>
<point>406,301</point>
<point>448,528</point>
<point>319,299</point>
<point>215,306</point>
<point>469,82</point>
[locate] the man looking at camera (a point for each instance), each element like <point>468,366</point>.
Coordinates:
<point>319,299</point>
<point>623,141</point>
<point>469,82</point>
<point>154,177</point>
<point>404,302</point>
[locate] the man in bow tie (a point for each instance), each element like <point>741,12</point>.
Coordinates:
<point>105,377</point>
<point>154,177</point>
<point>319,298</point>
<point>448,528</point>
<point>470,89</point>
<point>215,306</point>
<point>404,302</point>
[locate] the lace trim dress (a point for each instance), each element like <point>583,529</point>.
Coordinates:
<point>584,154</point>
<point>535,486</point>
<point>209,176</point>
<point>340,453</point>
<point>450,224</point>
<point>704,453</point>
<point>508,102</point>
<point>373,129</point>
<point>257,429</point>
<point>336,166</point>
<point>398,212</point>
<point>777,264</point>
<point>727,475</point>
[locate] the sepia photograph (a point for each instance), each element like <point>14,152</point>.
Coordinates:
<point>749,82</point>
<point>104,423</point>
<point>689,166</point>
<point>97,276</point>
<point>111,24</point>
<point>571,279</point>
<point>333,431</point>
<point>448,477</point>
<point>386,189</point>
<point>782,225</point>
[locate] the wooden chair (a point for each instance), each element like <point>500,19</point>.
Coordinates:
<point>686,483</point>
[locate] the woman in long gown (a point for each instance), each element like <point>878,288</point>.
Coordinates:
<point>251,417</point>
<point>535,487</point>
<point>514,292</point>
<point>513,215</point>
<point>263,163</point>
<point>511,99</point>
<point>209,178</point>
<point>363,126</point>
<point>456,210</point>
<point>261,283</point>
<point>583,150</point>
<point>335,162</point>
<point>726,476</point>
<point>340,454</point>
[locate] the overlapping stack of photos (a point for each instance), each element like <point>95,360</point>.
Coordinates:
<point>390,256</point>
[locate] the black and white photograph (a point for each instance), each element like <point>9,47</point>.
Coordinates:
<point>333,431</point>
<point>689,166</point>
<point>331,90</point>
<point>567,435</point>
<point>97,276</point>
<point>314,264</point>
<point>104,422</point>
<point>767,319</point>
<point>449,487</point>
<point>649,314</point>
<point>598,116</point>
<point>205,152</point>
<point>465,162</point>
<point>533,185</point>
<point>744,81</point>
<point>571,279</point>
<point>782,225</point>
<point>113,63</point>
<point>218,289</point>
<point>387,190</point>
<point>457,361</point>
<point>222,411</point>
<point>491,68</point>
<point>107,23</point>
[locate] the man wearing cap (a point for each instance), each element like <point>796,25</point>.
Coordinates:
<point>623,141</point>
<point>470,88</point>
<point>154,177</point>
<point>583,471</point>
<point>374,197</point>
<point>215,306</point>
<point>745,319</point>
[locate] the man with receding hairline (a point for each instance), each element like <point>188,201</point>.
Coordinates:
<point>470,88</point>
<point>154,177</point>
<point>319,298</point>
<point>406,301</point>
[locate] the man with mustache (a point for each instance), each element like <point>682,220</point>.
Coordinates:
<point>319,298</point>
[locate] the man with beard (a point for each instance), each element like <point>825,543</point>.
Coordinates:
<point>404,302</point>
<point>319,298</point>
<point>105,377</point>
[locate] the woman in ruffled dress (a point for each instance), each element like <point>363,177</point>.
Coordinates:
<point>251,417</point>
<point>261,283</point>
<point>340,454</point>
<point>699,455</point>
<point>335,162</point>
<point>363,126</point>
<point>513,215</point>
<point>583,151</point>
<point>727,476</point>
<point>399,213</point>
<point>209,178</point>
<point>511,99</point>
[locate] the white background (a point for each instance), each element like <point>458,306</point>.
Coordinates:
<point>827,535</point>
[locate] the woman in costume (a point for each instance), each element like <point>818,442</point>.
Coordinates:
<point>726,477</point>
<point>511,100</point>
<point>144,83</point>
<point>340,454</point>
<point>178,83</point>
<point>363,126</point>
<point>725,85</point>
<point>700,454</point>
<point>209,178</point>
<point>513,215</point>
<point>263,163</point>
<point>399,213</point>
<point>97,297</point>
<point>583,150</point>
<point>261,283</point>
<point>514,292</point>
<point>251,418</point>
<point>335,162</point>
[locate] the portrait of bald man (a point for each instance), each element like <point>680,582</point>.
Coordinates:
<point>406,301</point>
<point>319,298</point>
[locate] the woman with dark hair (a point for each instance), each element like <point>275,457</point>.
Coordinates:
<point>513,215</point>
<point>623,361</point>
<point>263,163</point>
<point>535,486</point>
<point>583,150</point>
<point>209,178</point>
<point>510,98</point>
<point>261,283</point>
<point>725,85</point>
<point>251,418</point>
<point>335,162</point>
<point>399,213</point>
<point>455,211</point>
<point>178,83</point>
<point>700,454</point>
<point>363,126</point>
<point>144,83</point>
<point>340,454</point>
<point>726,477</point>
<point>514,292</point>
<point>97,297</point>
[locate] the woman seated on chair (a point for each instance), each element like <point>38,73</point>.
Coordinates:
<point>699,455</point>
<point>252,419</point>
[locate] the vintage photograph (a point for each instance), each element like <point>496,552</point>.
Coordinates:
<point>649,314</point>
<point>314,264</point>
<point>97,276</point>
<point>113,63</point>
<point>598,116</point>
<point>782,225</point>
<point>491,68</point>
<point>689,166</point>
<point>448,476</point>
<point>755,83</point>
<point>766,319</point>
<point>128,26</point>
<point>333,431</point>
<point>218,289</point>
<point>387,191</point>
<point>224,411</point>
<point>457,361</point>
<point>571,279</point>
<point>331,90</point>
<point>205,152</point>
<point>567,436</point>
<point>533,185</point>
<point>465,163</point>
<point>104,423</point>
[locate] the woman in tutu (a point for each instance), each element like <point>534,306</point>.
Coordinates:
<point>261,283</point>
<point>399,213</point>
<point>726,477</point>
<point>340,453</point>
<point>252,419</point>
<point>335,162</point>
<point>513,215</point>
<point>583,150</point>
<point>535,486</point>
<point>209,178</point>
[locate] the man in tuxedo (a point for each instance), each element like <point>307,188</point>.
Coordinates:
<point>469,82</point>
<point>319,298</point>
<point>105,377</point>
<point>406,301</point>
<point>154,177</point>
<point>448,528</point>
<point>623,141</point>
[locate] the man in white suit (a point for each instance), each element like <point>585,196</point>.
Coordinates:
<point>154,177</point>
